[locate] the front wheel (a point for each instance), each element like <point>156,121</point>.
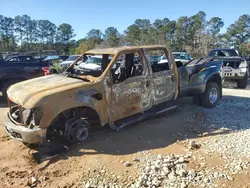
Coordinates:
<point>76,130</point>
<point>242,84</point>
<point>211,96</point>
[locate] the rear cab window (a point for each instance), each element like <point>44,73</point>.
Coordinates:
<point>158,60</point>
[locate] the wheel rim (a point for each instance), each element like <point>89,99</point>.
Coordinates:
<point>213,95</point>
<point>82,134</point>
<point>77,131</point>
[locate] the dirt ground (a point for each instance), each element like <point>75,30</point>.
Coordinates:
<point>162,135</point>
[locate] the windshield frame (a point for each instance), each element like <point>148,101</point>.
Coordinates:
<point>88,55</point>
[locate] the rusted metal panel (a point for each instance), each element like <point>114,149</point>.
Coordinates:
<point>163,86</point>
<point>129,97</point>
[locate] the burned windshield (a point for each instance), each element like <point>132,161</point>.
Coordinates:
<point>93,65</point>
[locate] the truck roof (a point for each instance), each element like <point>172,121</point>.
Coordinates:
<point>119,49</point>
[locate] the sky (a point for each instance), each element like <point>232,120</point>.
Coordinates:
<point>100,14</point>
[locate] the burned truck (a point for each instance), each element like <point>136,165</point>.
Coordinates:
<point>235,67</point>
<point>118,87</point>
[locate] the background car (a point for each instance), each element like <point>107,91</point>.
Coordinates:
<point>68,61</point>
<point>183,57</point>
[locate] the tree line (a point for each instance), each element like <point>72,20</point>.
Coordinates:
<point>24,34</point>
<point>195,34</point>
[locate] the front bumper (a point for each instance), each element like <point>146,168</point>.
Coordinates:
<point>234,74</point>
<point>24,134</point>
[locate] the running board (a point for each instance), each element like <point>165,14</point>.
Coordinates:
<point>140,117</point>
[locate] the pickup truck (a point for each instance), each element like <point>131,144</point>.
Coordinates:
<point>124,87</point>
<point>235,68</point>
<point>18,68</point>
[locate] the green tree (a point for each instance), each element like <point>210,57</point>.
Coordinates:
<point>180,35</point>
<point>94,38</point>
<point>65,33</point>
<point>133,35</point>
<point>214,26</point>
<point>111,36</point>
<point>19,28</point>
<point>7,33</point>
<point>239,31</point>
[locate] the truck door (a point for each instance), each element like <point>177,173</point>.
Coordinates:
<point>131,88</point>
<point>164,77</point>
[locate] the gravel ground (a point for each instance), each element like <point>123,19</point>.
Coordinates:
<point>193,147</point>
<point>228,132</point>
<point>232,115</point>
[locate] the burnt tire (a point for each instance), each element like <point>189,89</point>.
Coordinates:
<point>211,95</point>
<point>197,100</point>
<point>6,86</point>
<point>242,84</point>
<point>76,130</point>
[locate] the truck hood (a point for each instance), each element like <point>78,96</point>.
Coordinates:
<point>232,58</point>
<point>28,93</point>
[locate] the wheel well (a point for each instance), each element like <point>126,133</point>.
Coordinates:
<point>79,112</point>
<point>217,79</point>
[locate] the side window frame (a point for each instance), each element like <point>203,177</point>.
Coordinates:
<point>146,50</point>
<point>142,60</point>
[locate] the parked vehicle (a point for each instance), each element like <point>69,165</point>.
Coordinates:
<point>183,57</point>
<point>235,67</point>
<point>59,58</point>
<point>65,64</point>
<point>20,68</point>
<point>122,90</point>
<point>18,58</point>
